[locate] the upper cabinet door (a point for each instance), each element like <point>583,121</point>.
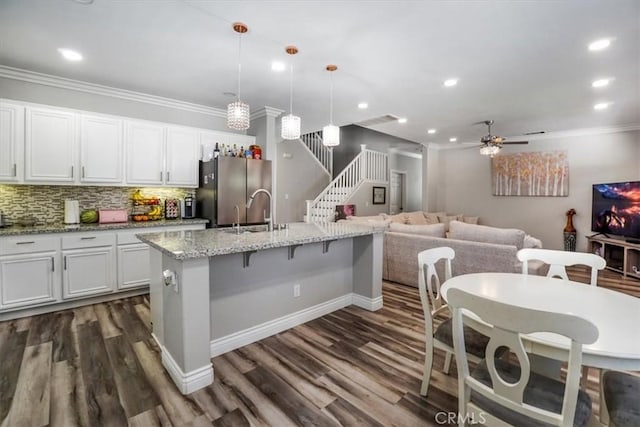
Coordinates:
<point>11,142</point>
<point>182,157</point>
<point>50,145</point>
<point>145,153</point>
<point>101,140</point>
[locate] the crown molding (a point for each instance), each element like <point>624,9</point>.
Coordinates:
<point>96,89</point>
<point>400,152</point>
<point>266,111</point>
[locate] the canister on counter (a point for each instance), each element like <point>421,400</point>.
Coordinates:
<point>257,151</point>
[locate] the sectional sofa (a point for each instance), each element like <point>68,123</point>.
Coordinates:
<point>478,248</point>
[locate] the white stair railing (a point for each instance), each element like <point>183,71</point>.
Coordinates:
<point>313,141</point>
<point>368,165</point>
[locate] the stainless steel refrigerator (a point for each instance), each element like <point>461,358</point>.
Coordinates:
<point>225,185</point>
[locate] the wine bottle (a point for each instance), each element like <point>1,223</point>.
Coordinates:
<point>216,151</point>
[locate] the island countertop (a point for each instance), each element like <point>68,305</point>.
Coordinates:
<point>17,230</point>
<point>184,245</point>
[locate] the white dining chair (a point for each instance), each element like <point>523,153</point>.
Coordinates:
<point>559,260</point>
<point>442,337</point>
<point>497,392</point>
<point>622,397</point>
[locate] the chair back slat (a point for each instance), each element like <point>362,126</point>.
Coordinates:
<point>559,260</point>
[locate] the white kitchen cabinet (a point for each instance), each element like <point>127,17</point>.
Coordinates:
<point>101,148</point>
<point>133,265</point>
<point>29,273</point>
<point>145,153</point>
<point>182,155</point>
<point>11,142</point>
<point>88,264</point>
<point>50,145</point>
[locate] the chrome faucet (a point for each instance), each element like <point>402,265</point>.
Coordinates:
<point>266,219</point>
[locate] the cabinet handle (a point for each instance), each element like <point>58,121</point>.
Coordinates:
<point>25,243</point>
<point>88,238</point>
<point>83,172</point>
<point>64,267</point>
<point>71,171</point>
<point>14,169</point>
<point>168,176</point>
<point>53,264</point>
<point>160,175</point>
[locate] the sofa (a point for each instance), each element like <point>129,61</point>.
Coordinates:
<point>478,248</point>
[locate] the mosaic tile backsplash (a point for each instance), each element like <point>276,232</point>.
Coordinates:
<point>46,202</point>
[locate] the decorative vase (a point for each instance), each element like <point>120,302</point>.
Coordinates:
<point>570,232</point>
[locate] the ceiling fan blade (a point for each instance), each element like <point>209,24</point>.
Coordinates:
<point>515,142</point>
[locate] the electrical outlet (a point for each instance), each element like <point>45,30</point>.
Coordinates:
<point>296,291</point>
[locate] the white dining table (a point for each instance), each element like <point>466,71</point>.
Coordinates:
<point>615,314</point>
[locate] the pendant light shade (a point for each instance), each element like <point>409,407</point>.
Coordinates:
<point>238,113</point>
<point>290,124</point>
<point>331,133</point>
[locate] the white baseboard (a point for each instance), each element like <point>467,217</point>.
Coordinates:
<point>371,304</point>
<point>190,381</point>
<point>267,329</point>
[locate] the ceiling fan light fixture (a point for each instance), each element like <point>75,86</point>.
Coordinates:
<point>238,112</point>
<point>489,150</point>
<point>331,133</point>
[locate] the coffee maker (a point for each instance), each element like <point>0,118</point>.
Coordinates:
<point>188,207</point>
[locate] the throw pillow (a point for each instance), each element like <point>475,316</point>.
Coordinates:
<point>399,218</point>
<point>532,242</point>
<point>482,233</point>
<point>433,230</point>
<point>432,217</point>
<point>446,219</point>
<point>415,218</point>
<point>470,219</point>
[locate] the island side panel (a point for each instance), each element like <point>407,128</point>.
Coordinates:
<point>186,330</point>
<point>367,271</point>
<point>156,285</point>
<point>251,303</point>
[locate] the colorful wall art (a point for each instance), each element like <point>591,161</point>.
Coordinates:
<point>543,174</point>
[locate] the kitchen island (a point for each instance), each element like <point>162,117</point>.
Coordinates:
<point>216,290</point>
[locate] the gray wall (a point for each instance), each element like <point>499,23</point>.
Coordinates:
<point>464,184</point>
<point>299,177</point>
<point>60,97</point>
<point>413,168</point>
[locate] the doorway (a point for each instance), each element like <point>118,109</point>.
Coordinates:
<point>397,191</point>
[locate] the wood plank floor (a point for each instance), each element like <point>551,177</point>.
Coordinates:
<point>98,365</point>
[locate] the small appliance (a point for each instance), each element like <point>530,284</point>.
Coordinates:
<point>71,212</point>
<point>188,207</point>
<point>106,216</point>
<point>171,208</point>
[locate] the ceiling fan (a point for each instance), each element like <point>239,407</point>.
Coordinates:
<point>491,144</point>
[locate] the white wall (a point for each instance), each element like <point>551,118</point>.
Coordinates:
<point>412,165</point>
<point>464,184</point>
<point>299,177</point>
<point>363,198</point>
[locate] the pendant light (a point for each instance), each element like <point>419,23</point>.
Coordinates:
<point>291,124</point>
<point>238,112</point>
<point>331,133</point>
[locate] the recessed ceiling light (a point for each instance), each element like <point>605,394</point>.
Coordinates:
<point>363,105</point>
<point>70,55</point>
<point>453,139</point>
<point>600,83</point>
<point>601,106</point>
<point>278,66</point>
<point>431,131</point>
<point>450,82</point>
<point>402,120</point>
<point>599,44</point>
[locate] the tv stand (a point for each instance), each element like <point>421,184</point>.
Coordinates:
<point>633,241</point>
<point>600,234</point>
<point>622,256</point>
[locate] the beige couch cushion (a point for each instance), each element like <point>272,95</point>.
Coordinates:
<point>446,219</point>
<point>434,230</point>
<point>415,218</point>
<point>482,233</point>
<point>400,218</point>
<point>432,217</point>
<point>366,218</point>
<point>470,219</point>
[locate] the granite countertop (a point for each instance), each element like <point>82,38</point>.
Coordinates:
<point>211,242</point>
<point>17,230</point>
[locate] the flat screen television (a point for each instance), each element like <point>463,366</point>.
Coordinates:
<point>615,209</point>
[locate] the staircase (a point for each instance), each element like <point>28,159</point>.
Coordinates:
<point>313,141</point>
<point>368,166</point>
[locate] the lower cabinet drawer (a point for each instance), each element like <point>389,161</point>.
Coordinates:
<point>28,244</point>
<point>88,240</point>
